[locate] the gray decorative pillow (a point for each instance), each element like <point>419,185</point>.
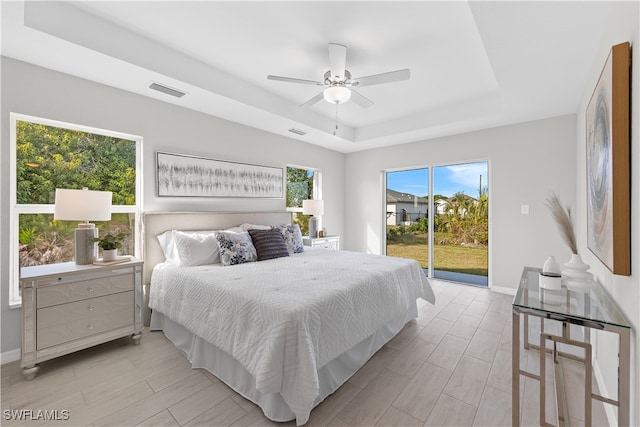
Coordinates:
<point>236,248</point>
<point>269,244</point>
<point>292,237</point>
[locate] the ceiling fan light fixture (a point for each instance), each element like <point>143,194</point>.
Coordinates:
<point>337,94</point>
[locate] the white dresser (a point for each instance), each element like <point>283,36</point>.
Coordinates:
<point>68,307</point>
<point>326,242</point>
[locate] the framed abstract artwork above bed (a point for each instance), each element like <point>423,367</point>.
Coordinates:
<point>609,164</point>
<point>180,175</point>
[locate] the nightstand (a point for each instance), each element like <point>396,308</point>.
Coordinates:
<point>68,307</point>
<point>326,242</point>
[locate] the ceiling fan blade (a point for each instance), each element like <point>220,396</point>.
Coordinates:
<point>376,79</point>
<point>360,99</point>
<point>313,100</point>
<point>337,61</point>
<point>292,80</point>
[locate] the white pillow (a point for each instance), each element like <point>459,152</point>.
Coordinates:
<point>168,246</point>
<point>197,248</point>
<point>247,227</point>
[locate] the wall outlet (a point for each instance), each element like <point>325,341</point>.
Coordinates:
<point>524,209</point>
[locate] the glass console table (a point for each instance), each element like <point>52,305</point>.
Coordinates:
<point>592,308</point>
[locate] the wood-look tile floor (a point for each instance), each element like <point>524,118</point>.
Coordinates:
<point>449,367</point>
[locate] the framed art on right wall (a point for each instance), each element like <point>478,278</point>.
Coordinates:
<point>609,164</point>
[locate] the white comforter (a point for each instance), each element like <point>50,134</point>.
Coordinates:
<point>284,319</point>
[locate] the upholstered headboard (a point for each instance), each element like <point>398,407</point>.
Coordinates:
<point>154,223</point>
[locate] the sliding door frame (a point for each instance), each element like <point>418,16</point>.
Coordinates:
<point>431,167</point>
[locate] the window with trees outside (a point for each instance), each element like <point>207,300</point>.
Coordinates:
<point>302,184</point>
<point>46,155</point>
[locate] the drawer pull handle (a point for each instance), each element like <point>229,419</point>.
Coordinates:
<point>90,326</point>
<point>90,289</point>
<point>90,308</point>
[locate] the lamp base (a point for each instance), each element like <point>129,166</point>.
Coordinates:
<point>86,250</point>
<point>313,227</point>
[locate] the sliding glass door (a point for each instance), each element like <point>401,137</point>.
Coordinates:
<point>461,223</point>
<point>407,215</point>
<point>452,244</point>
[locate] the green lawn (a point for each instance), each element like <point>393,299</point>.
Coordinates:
<point>462,259</point>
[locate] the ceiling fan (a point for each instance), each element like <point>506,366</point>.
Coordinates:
<point>338,82</point>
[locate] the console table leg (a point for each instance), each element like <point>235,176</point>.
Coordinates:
<point>515,369</point>
<point>624,377</point>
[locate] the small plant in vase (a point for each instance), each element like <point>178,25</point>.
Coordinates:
<point>575,270</point>
<point>110,243</point>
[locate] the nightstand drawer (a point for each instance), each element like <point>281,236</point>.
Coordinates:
<point>326,245</point>
<point>327,242</point>
<point>67,322</point>
<point>77,290</point>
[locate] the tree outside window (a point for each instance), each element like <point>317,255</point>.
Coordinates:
<point>302,184</point>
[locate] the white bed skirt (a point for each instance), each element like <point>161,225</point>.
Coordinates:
<point>202,354</point>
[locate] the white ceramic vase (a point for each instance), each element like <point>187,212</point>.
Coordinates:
<point>576,275</point>
<point>109,254</point>
<point>551,266</point>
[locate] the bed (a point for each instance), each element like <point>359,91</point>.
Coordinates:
<point>286,332</point>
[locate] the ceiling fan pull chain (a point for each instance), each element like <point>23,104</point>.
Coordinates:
<point>336,128</point>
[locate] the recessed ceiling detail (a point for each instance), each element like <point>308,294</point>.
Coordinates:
<point>473,64</point>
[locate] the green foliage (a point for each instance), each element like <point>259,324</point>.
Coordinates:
<point>49,157</point>
<point>423,224</point>
<point>467,219</point>
<point>27,236</point>
<point>299,186</point>
<point>392,233</point>
<point>110,241</point>
<point>439,223</point>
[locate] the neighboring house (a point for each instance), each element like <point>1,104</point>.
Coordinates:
<point>405,209</point>
<point>442,206</point>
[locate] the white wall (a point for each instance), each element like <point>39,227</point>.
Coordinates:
<point>35,91</point>
<point>526,161</point>
<point>623,25</point>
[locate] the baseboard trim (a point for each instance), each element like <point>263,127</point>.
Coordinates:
<point>503,290</point>
<point>9,356</point>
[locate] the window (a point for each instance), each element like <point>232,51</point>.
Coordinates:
<point>302,184</point>
<point>46,155</point>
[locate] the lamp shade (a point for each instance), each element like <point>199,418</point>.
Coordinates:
<point>313,207</point>
<point>82,205</point>
<point>337,94</point>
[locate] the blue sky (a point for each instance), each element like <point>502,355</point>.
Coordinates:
<point>447,180</point>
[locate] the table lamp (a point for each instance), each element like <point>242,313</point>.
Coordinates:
<point>83,205</point>
<point>315,208</point>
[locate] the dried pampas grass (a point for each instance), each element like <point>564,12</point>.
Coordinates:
<point>563,218</point>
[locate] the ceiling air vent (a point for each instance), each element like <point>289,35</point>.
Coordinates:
<point>166,89</point>
<point>297,131</point>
